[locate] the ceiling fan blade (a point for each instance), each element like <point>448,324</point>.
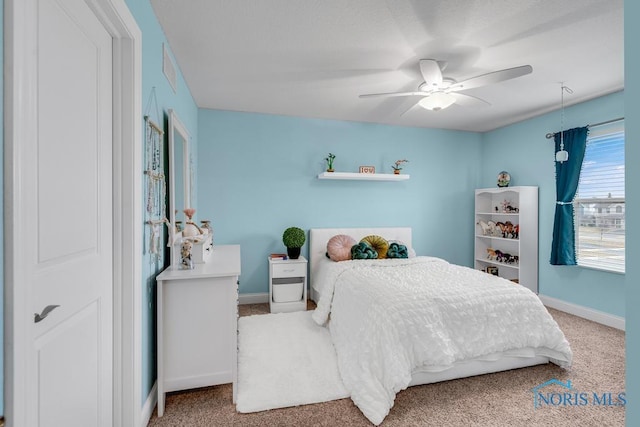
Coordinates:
<point>491,78</point>
<point>431,72</point>
<point>468,100</point>
<point>390,94</point>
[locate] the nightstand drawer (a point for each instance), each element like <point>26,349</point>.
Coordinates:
<point>289,270</point>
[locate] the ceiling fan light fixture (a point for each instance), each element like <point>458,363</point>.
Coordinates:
<point>437,101</point>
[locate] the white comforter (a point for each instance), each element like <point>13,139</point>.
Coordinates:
<point>389,317</point>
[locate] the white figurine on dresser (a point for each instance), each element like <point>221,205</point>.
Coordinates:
<point>197,324</point>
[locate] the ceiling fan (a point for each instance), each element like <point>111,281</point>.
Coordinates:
<point>440,92</point>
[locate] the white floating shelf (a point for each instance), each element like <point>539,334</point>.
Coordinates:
<point>363,176</point>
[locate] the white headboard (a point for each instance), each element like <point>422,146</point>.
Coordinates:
<point>318,238</point>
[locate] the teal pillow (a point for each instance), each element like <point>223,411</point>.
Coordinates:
<point>363,250</point>
<point>397,250</point>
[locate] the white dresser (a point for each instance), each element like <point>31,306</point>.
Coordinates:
<point>198,324</point>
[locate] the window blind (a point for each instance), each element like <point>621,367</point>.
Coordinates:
<point>600,201</point>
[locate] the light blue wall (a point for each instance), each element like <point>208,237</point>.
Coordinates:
<point>257,176</point>
<point>632,153</point>
<point>182,102</point>
<point>523,150</point>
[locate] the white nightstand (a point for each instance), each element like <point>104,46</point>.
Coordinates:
<point>287,285</point>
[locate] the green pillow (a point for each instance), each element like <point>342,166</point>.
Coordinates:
<point>363,250</point>
<point>397,250</point>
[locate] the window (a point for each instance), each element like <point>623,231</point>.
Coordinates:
<point>599,203</point>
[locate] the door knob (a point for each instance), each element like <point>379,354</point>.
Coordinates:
<point>48,309</point>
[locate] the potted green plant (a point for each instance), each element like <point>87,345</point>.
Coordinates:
<point>329,159</point>
<point>293,238</point>
<point>397,166</point>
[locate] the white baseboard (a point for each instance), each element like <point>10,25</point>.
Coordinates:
<point>584,312</point>
<point>149,405</point>
<point>261,298</point>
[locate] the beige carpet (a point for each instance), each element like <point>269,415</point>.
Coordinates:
<point>501,399</point>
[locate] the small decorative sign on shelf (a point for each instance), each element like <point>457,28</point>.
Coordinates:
<point>367,169</point>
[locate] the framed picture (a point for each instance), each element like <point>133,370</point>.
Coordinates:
<point>367,169</point>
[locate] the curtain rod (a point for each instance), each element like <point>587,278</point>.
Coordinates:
<point>551,135</point>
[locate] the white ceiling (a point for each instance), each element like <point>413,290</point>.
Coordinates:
<point>312,58</point>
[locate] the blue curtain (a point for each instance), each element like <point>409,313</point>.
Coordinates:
<point>563,248</point>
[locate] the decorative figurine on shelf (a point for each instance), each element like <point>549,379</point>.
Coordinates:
<point>502,256</point>
<point>497,231</point>
<point>492,228</point>
<point>504,179</point>
<point>507,208</point>
<point>488,228</point>
<point>510,231</point>
<point>186,262</point>
<point>190,227</point>
<point>484,226</point>
<point>206,227</point>
<point>397,166</point>
<point>329,159</point>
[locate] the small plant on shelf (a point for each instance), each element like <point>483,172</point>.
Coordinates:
<point>329,159</point>
<point>397,166</point>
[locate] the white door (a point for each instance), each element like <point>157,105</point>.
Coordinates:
<point>70,231</point>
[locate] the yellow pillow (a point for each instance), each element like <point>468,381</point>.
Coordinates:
<point>378,243</point>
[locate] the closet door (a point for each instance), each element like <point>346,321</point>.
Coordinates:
<point>64,253</point>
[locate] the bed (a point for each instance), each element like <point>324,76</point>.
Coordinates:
<point>397,323</point>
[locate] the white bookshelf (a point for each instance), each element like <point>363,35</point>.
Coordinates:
<point>489,209</point>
